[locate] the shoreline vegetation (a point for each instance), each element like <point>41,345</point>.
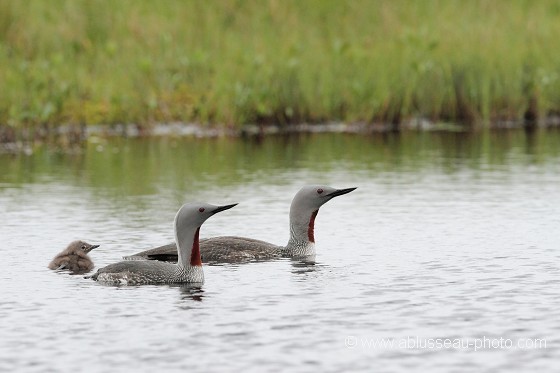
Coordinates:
<point>252,66</point>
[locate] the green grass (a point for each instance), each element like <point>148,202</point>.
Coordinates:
<point>277,61</point>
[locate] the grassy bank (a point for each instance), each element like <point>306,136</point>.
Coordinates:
<point>256,61</point>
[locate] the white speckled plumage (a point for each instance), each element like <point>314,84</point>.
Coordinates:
<point>303,210</point>
<point>148,272</point>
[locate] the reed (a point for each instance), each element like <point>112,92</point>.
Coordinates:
<point>253,61</point>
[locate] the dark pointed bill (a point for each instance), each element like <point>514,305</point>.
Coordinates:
<point>340,192</point>
<point>222,208</point>
<point>92,247</point>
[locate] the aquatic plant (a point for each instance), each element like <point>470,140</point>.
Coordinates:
<point>251,61</point>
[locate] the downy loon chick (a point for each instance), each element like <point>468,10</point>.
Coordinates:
<point>188,269</point>
<point>74,258</point>
<point>230,249</point>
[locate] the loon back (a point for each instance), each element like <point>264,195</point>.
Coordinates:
<point>217,249</point>
<point>77,264</point>
<point>147,272</point>
<point>165,253</point>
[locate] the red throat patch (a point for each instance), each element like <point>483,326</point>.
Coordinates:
<point>311,228</point>
<point>195,253</point>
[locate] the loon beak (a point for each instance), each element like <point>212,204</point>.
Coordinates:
<point>222,208</point>
<point>91,248</point>
<point>340,192</point>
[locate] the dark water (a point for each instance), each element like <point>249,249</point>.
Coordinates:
<point>450,238</point>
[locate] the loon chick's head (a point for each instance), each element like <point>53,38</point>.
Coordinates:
<point>81,245</point>
<point>306,204</point>
<point>188,220</point>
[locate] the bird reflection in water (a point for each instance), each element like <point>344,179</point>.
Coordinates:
<point>190,291</point>
<point>304,265</point>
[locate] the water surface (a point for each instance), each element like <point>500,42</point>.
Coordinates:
<point>448,236</point>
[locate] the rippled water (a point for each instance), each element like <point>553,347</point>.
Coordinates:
<point>449,236</point>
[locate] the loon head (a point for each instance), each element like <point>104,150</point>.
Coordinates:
<point>192,215</point>
<point>306,204</point>
<point>188,220</point>
<point>311,197</point>
<point>76,246</point>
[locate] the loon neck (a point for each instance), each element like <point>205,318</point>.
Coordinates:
<point>311,226</point>
<point>196,260</point>
<point>302,235</point>
<point>188,249</point>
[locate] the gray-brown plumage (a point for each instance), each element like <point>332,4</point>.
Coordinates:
<point>224,249</point>
<point>74,258</point>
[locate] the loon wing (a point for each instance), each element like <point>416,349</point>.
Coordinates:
<point>225,249</point>
<point>165,253</point>
<point>231,249</point>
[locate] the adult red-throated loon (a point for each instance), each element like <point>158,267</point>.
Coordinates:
<point>187,225</point>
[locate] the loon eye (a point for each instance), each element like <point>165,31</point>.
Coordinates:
<point>201,209</point>
<point>319,191</point>
<point>83,247</point>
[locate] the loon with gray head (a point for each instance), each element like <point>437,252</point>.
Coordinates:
<point>74,258</point>
<point>230,249</point>
<point>188,269</point>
